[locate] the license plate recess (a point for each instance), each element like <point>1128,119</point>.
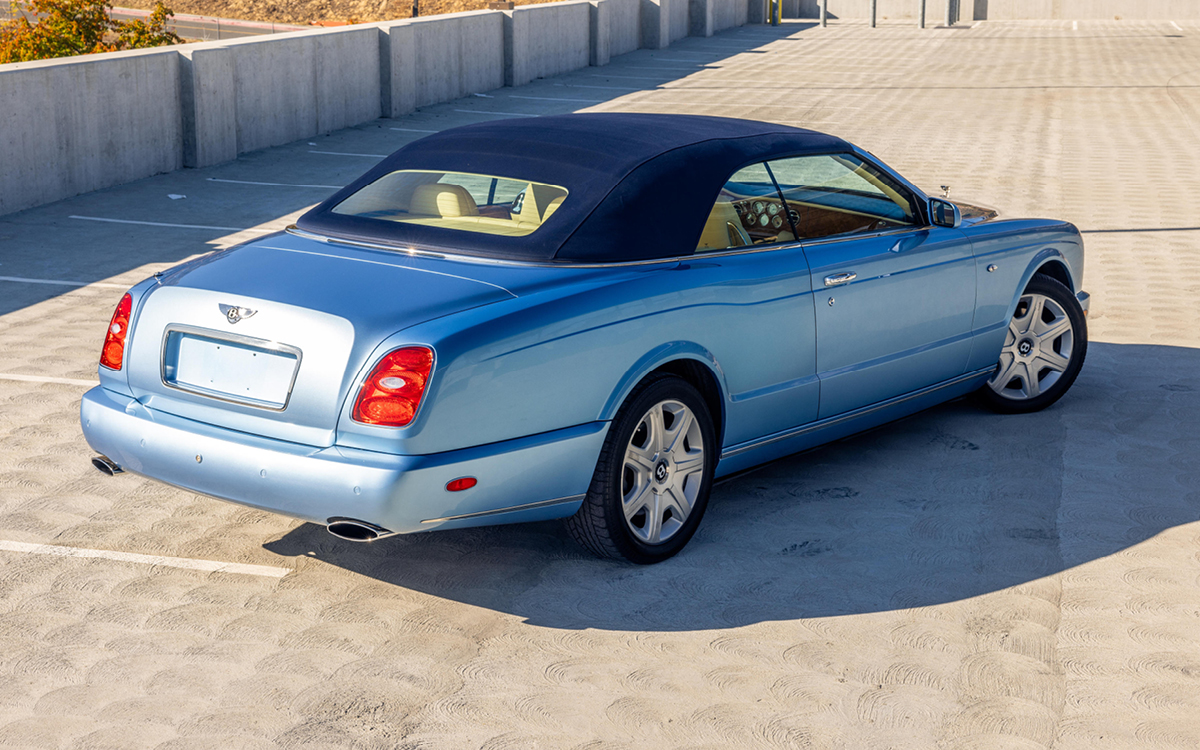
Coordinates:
<point>243,370</point>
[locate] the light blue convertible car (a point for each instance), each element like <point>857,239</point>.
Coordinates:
<point>587,317</point>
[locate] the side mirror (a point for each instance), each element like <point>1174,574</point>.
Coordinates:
<point>944,213</point>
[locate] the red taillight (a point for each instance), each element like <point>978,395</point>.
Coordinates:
<point>391,394</point>
<point>113,353</point>
<point>460,484</point>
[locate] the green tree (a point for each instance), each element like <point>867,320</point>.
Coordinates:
<point>62,28</point>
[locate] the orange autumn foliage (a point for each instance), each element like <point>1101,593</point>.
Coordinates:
<point>61,28</point>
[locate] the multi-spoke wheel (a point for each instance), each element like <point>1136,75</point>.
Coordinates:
<point>1043,349</point>
<point>652,481</point>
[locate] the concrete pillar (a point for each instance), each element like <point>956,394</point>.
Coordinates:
<point>397,70</point>
<point>700,17</point>
<point>656,23</point>
<point>208,98</point>
<point>601,32</point>
<point>756,11</point>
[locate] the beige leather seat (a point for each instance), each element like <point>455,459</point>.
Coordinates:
<point>443,200</point>
<point>723,229</point>
<point>554,204</point>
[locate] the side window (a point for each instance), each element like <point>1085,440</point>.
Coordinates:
<point>834,194</point>
<point>748,211</point>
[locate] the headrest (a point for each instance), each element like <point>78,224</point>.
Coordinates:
<point>443,200</point>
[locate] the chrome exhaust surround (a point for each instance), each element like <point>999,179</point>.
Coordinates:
<point>107,466</point>
<point>354,530</point>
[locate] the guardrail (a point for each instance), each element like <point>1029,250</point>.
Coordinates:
<point>77,124</point>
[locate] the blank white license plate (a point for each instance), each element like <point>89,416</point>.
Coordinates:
<point>240,372</point>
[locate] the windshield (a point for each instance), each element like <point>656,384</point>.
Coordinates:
<point>466,202</point>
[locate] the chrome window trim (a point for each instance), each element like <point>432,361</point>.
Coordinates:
<point>414,252</point>
<point>233,338</point>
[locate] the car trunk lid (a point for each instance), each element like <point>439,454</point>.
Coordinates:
<point>269,338</point>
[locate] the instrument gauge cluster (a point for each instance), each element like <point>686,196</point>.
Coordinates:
<point>760,214</point>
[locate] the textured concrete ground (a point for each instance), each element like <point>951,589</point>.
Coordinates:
<point>957,580</point>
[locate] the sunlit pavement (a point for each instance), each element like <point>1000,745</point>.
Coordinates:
<point>956,580</point>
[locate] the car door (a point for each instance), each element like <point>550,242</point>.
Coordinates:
<point>759,324</point>
<point>894,297</point>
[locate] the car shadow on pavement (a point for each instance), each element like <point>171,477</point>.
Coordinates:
<point>949,504</point>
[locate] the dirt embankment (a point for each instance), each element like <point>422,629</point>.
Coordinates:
<point>306,11</point>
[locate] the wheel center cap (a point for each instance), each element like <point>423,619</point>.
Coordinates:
<point>661,472</point>
<point>1025,347</point>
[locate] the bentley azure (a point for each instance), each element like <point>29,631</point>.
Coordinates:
<point>589,317</point>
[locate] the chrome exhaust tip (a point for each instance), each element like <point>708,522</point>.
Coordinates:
<point>107,466</point>
<point>354,530</point>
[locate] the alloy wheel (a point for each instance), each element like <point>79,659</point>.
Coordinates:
<point>1037,349</point>
<point>663,472</point>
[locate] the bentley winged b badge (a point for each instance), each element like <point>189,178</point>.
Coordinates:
<point>234,314</point>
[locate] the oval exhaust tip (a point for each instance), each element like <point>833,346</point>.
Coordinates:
<point>107,466</point>
<point>354,530</point>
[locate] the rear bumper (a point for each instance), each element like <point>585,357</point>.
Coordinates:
<point>528,479</point>
<point>1085,301</point>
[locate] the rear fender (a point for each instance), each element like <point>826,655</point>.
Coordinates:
<point>656,358</point>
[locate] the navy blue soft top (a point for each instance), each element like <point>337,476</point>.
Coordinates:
<point>640,185</point>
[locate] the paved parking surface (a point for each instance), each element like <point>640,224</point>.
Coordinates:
<point>956,580</point>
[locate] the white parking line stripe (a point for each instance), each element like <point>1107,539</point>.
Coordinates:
<point>343,153</point>
<point>556,99</point>
<point>47,379</point>
<point>274,184</point>
<point>163,224</point>
<point>55,282</point>
<point>608,88</point>
<point>488,112</point>
<point>210,566</point>
<point>1177,26</point>
<point>636,78</point>
<point>415,130</point>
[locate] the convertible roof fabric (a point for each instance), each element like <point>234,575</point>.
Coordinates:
<point>640,185</point>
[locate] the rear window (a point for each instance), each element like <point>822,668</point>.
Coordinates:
<point>466,202</point>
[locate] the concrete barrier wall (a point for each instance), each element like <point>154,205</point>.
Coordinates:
<point>545,40</point>
<point>308,83</point>
<point>727,14</point>
<point>73,125</point>
<point>680,14</point>
<point>84,123</point>
<point>452,56</point>
<point>624,26</point>
<point>656,23</point>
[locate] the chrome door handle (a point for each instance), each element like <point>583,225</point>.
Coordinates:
<point>840,278</point>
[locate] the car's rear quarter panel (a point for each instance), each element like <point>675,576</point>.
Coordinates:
<point>574,342</point>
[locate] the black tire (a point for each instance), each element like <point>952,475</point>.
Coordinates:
<point>1011,397</point>
<point>599,525</point>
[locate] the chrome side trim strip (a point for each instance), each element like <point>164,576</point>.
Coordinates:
<point>458,257</point>
<point>511,509</point>
<point>814,426</point>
